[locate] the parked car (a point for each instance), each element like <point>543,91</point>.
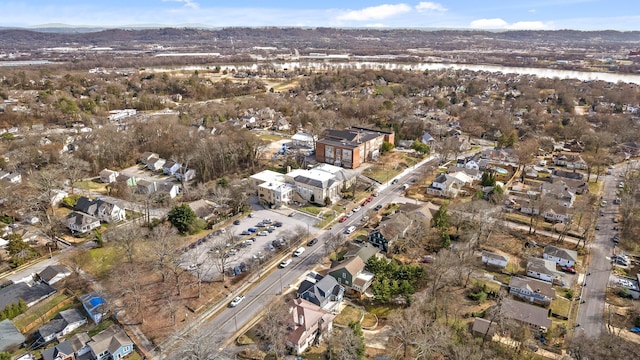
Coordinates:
<point>357,208</point>
<point>597,227</point>
<point>312,242</point>
<point>252,230</point>
<point>251,215</point>
<point>378,207</point>
<point>343,219</point>
<point>261,225</point>
<point>277,224</point>
<point>299,251</point>
<point>394,181</point>
<point>350,229</point>
<point>237,300</point>
<point>248,242</point>
<point>285,263</point>
<point>267,221</point>
<point>349,214</point>
<point>245,232</point>
<point>635,330</point>
<point>236,222</point>
<point>568,269</point>
<point>263,233</point>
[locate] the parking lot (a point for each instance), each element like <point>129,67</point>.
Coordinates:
<point>202,261</point>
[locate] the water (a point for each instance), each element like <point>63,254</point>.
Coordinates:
<point>320,65</point>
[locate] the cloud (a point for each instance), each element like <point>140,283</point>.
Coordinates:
<point>377,25</point>
<point>532,11</point>
<point>497,23</point>
<point>425,6</point>
<point>187,3</point>
<point>375,12</point>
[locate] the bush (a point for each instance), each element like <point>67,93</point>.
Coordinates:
<point>624,293</point>
<point>70,201</point>
<point>569,294</point>
<point>480,296</point>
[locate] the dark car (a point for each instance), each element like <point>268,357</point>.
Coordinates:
<point>312,242</point>
<point>378,207</point>
<point>277,224</point>
<point>236,222</point>
<point>245,232</point>
<point>394,181</point>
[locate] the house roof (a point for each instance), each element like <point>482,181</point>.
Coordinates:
<point>495,256</point>
<point>111,339</point>
<point>93,303</point>
<point>318,292</point>
<point>481,326</point>
<point>61,321</point>
<point>394,226</point>
<point>352,266</point>
<point>78,341</point>
<point>9,335</point>
<point>50,272</point>
<point>80,219</point>
<point>533,285</point>
<point>107,173</point>
<point>542,266</point>
<point>310,314</point>
<point>13,293</point>
<point>63,348</point>
<point>526,313</point>
<point>366,251</point>
<point>561,253</point>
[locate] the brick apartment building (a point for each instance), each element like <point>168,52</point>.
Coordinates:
<point>351,147</point>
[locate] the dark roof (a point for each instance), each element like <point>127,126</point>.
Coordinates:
<point>62,348</point>
<point>13,293</point>
<point>9,335</point>
<point>52,271</point>
<point>79,218</point>
<point>61,321</point>
<point>86,205</point>
<point>526,313</point>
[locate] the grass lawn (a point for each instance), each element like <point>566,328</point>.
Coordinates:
<point>594,187</point>
<point>270,137</point>
<point>380,174</point>
<point>105,323</point>
<point>491,285</point>
<point>315,210</point>
<point>348,315</point>
<point>91,185</point>
<point>101,260</point>
<point>35,312</point>
<point>561,306</point>
<point>380,311</point>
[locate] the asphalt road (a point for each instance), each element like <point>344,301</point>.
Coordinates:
<point>591,312</point>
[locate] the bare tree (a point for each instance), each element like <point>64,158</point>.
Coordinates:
<point>333,242</point>
<point>273,326</point>
<point>219,253</point>
<point>127,238</point>
<point>74,168</point>
<point>163,247</point>
<point>203,344</point>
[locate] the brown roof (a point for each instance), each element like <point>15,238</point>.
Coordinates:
<point>353,265</point>
<point>526,313</point>
<point>309,313</point>
<point>395,226</point>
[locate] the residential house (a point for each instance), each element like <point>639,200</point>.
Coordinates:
<point>202,208</point>
<point>108,176</point>
<point>391,228</point>
<point>351,147</point>
<point>474,174</point>
<point>169,188</point>
<point>112,343</point>
<point>532,315</point>
<point>64,323</point>
<point>81,222</point>
<point>562,257</point>
<point>323,291</point>
<point>557,213</point>
<point>61,351</point>
<point>94,305</point>
<point>30,293</point>
<point>53,273</point>
<point>146,187</point>
<point>560,192</point>
<point>542,269</point>
<point>155,164</point>
<point>185,174</point>
<point>532,290</point>
<point>79,343</point>
<point>170,167</point>
<point>449,185</point>
<point>282,124</point>
<point>351,274</point>
<point>14,178</point>
<point>428,139</point>
<point>493,259</point>
<point>308,322</point>
<point>570,161</point>
<point>148,156</point>
<point>129,180</point>
<point>567,174</point>
<point>104,210</point>
<point>10,338</point>
<point>574,186</point>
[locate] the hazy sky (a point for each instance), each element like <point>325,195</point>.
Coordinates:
<point>479,14</point>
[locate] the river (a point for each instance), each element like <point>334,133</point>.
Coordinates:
<point>321,65</point>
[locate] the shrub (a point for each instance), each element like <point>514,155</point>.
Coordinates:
<point>569,294</point>
<point>624,293</point>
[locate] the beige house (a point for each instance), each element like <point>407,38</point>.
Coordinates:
<point>308,323</point>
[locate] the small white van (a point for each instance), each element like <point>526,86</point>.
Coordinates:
<point>299,251</point>
<point>350,229</point>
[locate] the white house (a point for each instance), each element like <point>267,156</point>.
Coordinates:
<point>108,176</point>
<point>471,164</point>
<point>170,188</point>
<point>184,174</point>
<point>557,213</point>
<point>542,269</point>
<point>560,256</point>
<point>80,222</point>
<point>170,167</point>
<point>155,164</point>
<point>494,259</point>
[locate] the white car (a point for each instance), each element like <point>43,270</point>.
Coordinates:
<point>192,267</point>
<point>285,263</point>
<point>349,214</point>
<point>236,301</point>
<point>350,229</point>
<point>357,208</point>
<point>263,233</point>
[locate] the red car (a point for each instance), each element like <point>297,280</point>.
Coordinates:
<point>364,203</point>
<point>343,219</point>
<point>568,269</point>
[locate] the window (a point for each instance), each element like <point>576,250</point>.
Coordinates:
<point>344,275</point>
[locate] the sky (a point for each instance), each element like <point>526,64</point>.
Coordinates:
<point>623,15</point>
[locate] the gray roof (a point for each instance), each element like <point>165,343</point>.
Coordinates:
<point>481,326</point>
<point>542,266</point>
<point>495,256</point>
<point>530,314</point>
<point>80,219</point>
<point>13,293</point>
<point>318,293</point>
<point>62,348</point>
<point>533,285</point>
<point>111,339</point>
<point>9,335</point>
<point>561,253</point>
<point>61,321</point>
<point>52,271</point>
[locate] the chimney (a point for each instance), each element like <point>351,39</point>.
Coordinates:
<point>301,320</point>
